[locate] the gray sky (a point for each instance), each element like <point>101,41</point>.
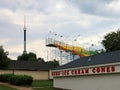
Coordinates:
<point>84,20</point>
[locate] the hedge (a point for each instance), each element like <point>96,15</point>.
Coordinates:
<point>21,80</point>
<point>16,79</point>
<point>5,77</point>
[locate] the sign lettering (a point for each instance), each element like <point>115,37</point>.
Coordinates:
<point>84,71</point>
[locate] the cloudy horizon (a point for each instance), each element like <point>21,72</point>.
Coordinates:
<point>85,20</point>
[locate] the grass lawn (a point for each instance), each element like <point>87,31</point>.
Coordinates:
<point>44,88</point>
<point>42,85</point>
<point>36,85</point>
<point>2,87</point>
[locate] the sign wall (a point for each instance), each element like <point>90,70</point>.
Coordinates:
<point>85,71</point>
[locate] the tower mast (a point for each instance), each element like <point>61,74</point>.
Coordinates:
<point>24,52</point>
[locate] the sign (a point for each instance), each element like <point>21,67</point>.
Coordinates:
<point>84,71</point>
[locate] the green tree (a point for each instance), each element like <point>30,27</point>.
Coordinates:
<point>32,56</point>
<point>24,56</point>
<point>40,59</point>
<point>28,57</point>
<point>111,41</point>
<point>100,51</point>
<point>55,63</point>
<point>4,60</point>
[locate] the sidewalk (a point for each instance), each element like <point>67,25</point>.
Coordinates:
<point>17,87</point>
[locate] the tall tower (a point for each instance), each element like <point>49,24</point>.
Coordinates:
<point>24,52</point>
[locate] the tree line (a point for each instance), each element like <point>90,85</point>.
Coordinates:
<point>5,61</point>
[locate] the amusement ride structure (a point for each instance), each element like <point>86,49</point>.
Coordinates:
<point>75,50</point>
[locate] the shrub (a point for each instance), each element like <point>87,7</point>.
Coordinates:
<point>16,79</point>
<point>5,77</point>
<point>21,80</point>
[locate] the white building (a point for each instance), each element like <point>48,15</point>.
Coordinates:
<point>98,72</point>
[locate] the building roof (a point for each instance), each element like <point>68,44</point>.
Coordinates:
<point>104,58</point>
<point>29,65</point>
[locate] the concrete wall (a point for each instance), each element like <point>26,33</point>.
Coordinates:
<point>37,75</point>
<point>89,82</point>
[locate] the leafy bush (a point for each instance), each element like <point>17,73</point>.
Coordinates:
<point>16,79</point>
<point>21,80</point>
<point>5,77</point>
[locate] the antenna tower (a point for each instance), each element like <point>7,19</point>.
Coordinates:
<point>24,52</point>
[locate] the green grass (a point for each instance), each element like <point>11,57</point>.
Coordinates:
<point>44,88</point>
<point>2,87</point>
<point>36,85</point>
<point>42,85</point>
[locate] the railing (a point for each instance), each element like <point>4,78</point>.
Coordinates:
<point>75,49</point>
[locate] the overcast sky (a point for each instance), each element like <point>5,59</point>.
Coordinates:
<point>85,20</point>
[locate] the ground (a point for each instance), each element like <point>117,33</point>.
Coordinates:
<point>16,87</point>
<point>36,85</point>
